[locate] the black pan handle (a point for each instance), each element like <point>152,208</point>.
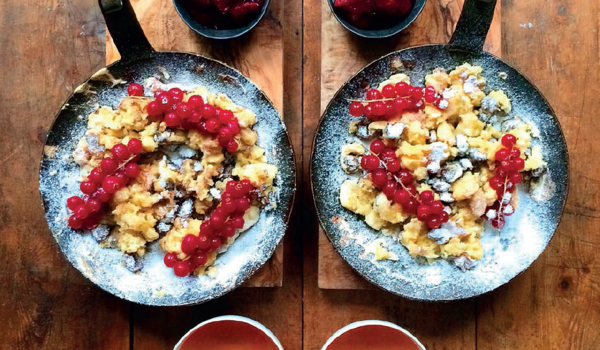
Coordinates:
<point>125,29</point>
<point>473,26</point>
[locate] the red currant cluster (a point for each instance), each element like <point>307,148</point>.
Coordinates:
<point>192,115</point>
<point>393,100</point>
<point>397,185</point>
<point>221,225</point>
<point>113,174</point>
<point>507,175</point>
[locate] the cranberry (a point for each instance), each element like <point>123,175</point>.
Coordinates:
<point>427,197</point>
<point>388,91</point>
<point>390,189</point>
<point>74,202</point>
<point>402,197</point>
<point>176,95</point>
<point>369,162</point>
<point>94,205</point>
<point>403,89</point>
<point>109,165</point>
<point>120,152</point>
<point>379,177</point>
<point>88,187</point>
<point>154,109</point>
<point>75,223</point>
<point>170,259</point>
<point>189,244</point>
<point>405,177</point>
<point>196,102</point>
<point>377,146</point>
<point>393,165</point>
<point>82,212</point>
<point>135,146</point>
<point>374,94</point>
<point>356,109</point>
<point>181,269</point>
<point>135,89</point>
<point>172,120</point>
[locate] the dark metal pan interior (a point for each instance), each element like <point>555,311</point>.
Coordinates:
<point>155,284</point>
<point>507,252</point>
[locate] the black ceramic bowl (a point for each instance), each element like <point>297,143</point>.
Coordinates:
<point>187,17</point>
<point>379,33</point>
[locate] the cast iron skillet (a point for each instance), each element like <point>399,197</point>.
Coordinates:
<point>155,284</point>
<point>509,251</point>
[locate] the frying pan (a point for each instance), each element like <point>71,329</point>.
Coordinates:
<point>509,251</point>
<point>155,284</point>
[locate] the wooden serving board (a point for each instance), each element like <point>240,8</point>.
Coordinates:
<point>342,55</point>
<point>258,55</point>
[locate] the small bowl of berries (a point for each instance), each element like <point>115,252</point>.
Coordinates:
<point>221,19</point>
<point>376,18</point>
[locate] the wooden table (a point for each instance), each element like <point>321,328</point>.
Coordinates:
<point>47,48</point>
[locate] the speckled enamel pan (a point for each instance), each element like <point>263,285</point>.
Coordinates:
<point>155,284</point>
<point>509,251</point>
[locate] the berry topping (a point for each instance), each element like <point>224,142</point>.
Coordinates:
<point>135,89</point>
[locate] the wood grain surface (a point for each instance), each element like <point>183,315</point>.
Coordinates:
<point>342,55</point>
<point>48,48</point>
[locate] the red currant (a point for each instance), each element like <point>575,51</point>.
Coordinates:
<point>122,178</point>
<point>109,165</point>
<point>135,89</point>
<point>369,162</point>
<point>388,91</point>
<point>94,205</point>
<point>208,111</point>
<point>379,177</point>
<point>196,102</point>
<point>356,109</point>
<point>74,202</point>
<point>518,164</point>
<point>111,184</point>
<point>215,244</point>
<point>217,219</point>
<point>434,221</point>
<point>81,212</point>
<point>501,173</point>
<point>183,110</point>
<point>172,120</point>
<point>135,146</point>
<point>189,244</point>
<point>198,260</point>
<point>430,97</point>
<point>374,94</point>
<point>498,221</point>
<point>416,93</point>
<point>241,205</point>
<point>247,184</point>
<point>204,240</point>
<point>411,206</point>
<point>515,178</point>
<point>377,146</point>
<point>176,95</point>
<point>496,183</point>
<point>170,259</point>
<point>402,197</point>
<point>400,104</point>
<point>402,89</point>
<point>75,223</point>
<point>120,152</point>
<point>154,109</point>
<point>164,101</point>
<point>514,153</point>
<point>502,154</point>
<point>228,205</point>
<point>411,189</point>
<point>212,125</point>
<point>101,195</point>
<point>390,189</point>
<point>509,140</point>
<point>88,187</point>
<point>437,207</point>
<point>405,177</point>
<point>228,231</point>
<point>388,154</point>
<point>181,269</point>
<point>423,212</point>
<point>441,104</point>
<point>393,165</point>
<point>226,133</point>
<point>369,111</point>
<point>427,197</point>
<point>379,109</point>
<point>232,146</point>
<point>444,217</point>
<point>132,170</point>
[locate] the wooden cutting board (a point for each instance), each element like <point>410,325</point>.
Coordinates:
<point>258,55</point>
<point>342,55</point>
